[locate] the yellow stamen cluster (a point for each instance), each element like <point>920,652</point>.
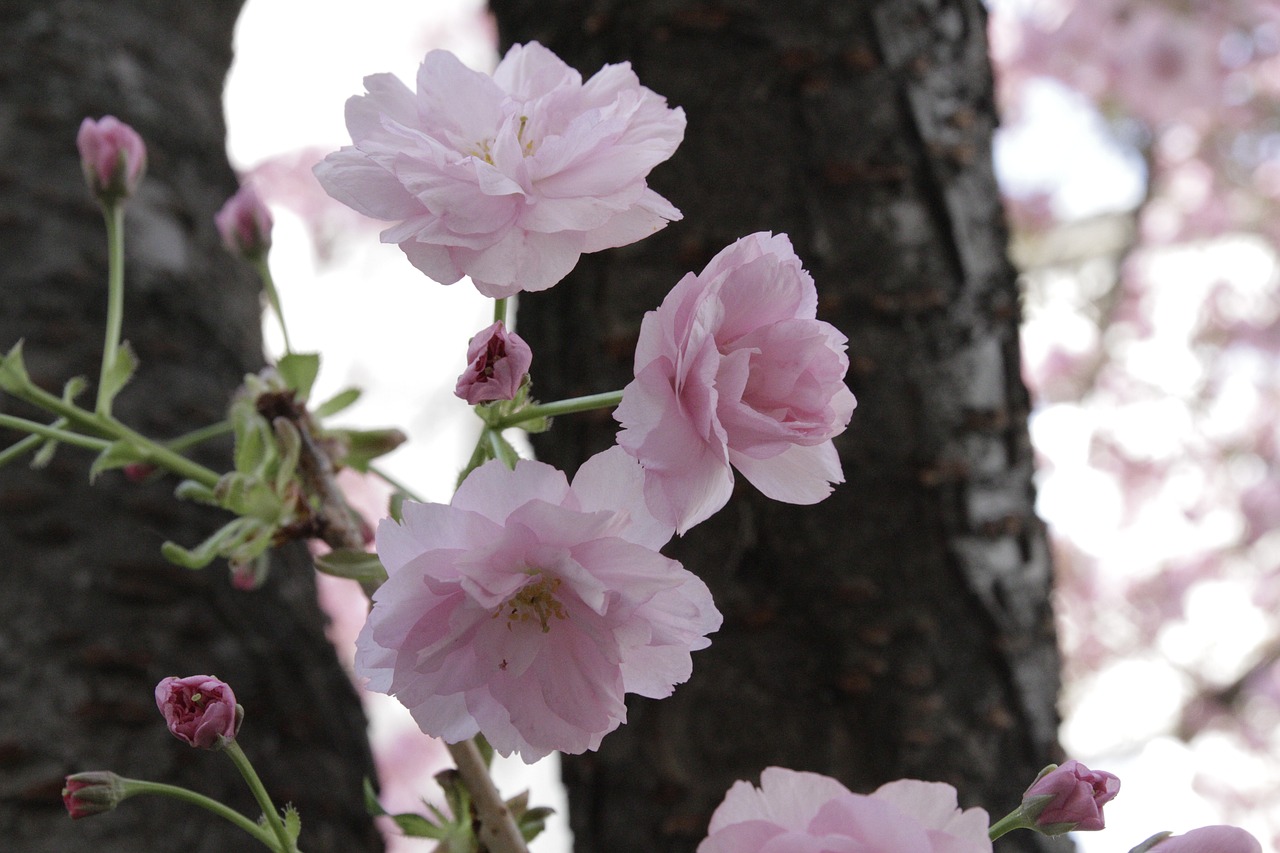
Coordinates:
<point>534,600</point>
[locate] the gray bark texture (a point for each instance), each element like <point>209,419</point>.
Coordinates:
<point>902,628</point>
<point>91,616</point>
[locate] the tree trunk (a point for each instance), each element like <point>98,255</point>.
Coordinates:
<point>902,628</point>
<point>91,616</point>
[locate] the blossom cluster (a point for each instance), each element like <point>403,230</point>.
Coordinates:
<point>527,607</point>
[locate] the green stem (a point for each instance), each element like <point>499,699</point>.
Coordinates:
<point>606,400</point>
<point>42,431</point>
<point>273,297</point>
<point>18,448</point>
<point>107,426</point>
<point>113,212</point>
<point>478,456</point>
<point>198,436</point>
<point>395,484</point>
<point>500,311</point>
<point>139,786</point>
<point>260,794</point>
<point>1013,820</point>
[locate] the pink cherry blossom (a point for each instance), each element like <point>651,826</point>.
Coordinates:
<point>527,607</point>
<point>200,710</point>
<point>1069,798</point>
<point>733,369</point>
<point>497,361</point>
<point>244,224</point>
<point>1210,839</point>
<point>809,813</point>
<point>511,178</point>
<point>112,155</point>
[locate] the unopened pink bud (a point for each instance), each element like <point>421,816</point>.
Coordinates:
<point>113,157</point>
<point>199,710</point>
<point>92,793</point>
<point>1069,798</point>
<point>139,472</point>
<point>244,223</point>
<point>497,361</point>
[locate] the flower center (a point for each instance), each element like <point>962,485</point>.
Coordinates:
<point>535,600</point>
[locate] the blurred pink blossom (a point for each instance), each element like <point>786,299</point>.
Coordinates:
<point>795,811</point>
<point>244,224</point>
<point>113,157</point>
<point>1210,839</point>
<point>1069,797</point>
<point>497,362</point>
<point>527,607</point>
<point>734,369</point>
<point>511,178</point>
<point>200,710</point>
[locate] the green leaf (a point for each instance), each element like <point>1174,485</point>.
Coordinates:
<point>292,822</point>
<point>417,826</point>
<point>366,445</point>
<point>396,507</point>
<point>117,375</point>
<point>299,371</point>
<point>350,563</point>
<point>117,455</point>
<point>371,805</point>
<point>337,403</point>
<point>13,373</point>
<point>534,821</point>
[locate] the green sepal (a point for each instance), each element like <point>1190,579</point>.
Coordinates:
<point>44,455</point>
<point>252,442</point>
<point>117,455</point>
<point>365,445</point>
<point>13,373</point>
<point>74,388</point>
<point>410,824</point>
<point>1151,842</point>
<point>349,563</point>
<point>190,490</point>
<point>117,375</point>
<point>395,507</point>
<point>299,371</point>
<point>292,822</point>
<point>502,449</point>
<point>204,553</point>
<point>536,425</point>
<point>337,403</point>
<point>290,441</point>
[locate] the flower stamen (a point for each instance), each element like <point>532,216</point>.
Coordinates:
<point>534,600</point>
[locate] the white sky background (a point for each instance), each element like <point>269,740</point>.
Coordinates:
<point>382,326</point>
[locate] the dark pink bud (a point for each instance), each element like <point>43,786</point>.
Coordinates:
<point>244,223</point>
<point>199,709</point>
<point>113,156</point>
<point>1069,798</point>
<point>497,361</point>
<point>92,793</point>
<point>139,472</point>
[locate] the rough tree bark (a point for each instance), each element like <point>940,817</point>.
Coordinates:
<point>902,627</point>
<point>91,616</point>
